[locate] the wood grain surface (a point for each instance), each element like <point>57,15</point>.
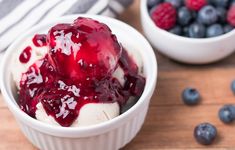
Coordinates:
<point>169,124</point>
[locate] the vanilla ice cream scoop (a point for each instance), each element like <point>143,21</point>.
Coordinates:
<point>90,114</point>
<point>19,67</point>
<point>77,75</point>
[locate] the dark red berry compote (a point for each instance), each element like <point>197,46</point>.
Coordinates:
<point>25,55</point>
<point>77,70</point>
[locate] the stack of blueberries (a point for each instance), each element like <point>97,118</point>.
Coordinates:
<point>193,18</point>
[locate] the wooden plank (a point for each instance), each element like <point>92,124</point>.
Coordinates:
<point>213,85</point>
<point>169,127</point>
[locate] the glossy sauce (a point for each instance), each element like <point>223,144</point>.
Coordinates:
<point>78,70</point>
<point>25,55</point>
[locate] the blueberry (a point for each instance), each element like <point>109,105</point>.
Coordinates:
<point>194,14</point>
<point>176,30</point>
<point>210,2</point>
<point>152,10</point>
<point>175,3</point>
<point>152,3</point>
<point>207,15</point>
<point>227,113</point>
<point>131,102</point>
<point>184,16</point>
<point>220,3</point>
<point>232,2</point>
<point>233,86</point>
<point>190,96</point>
<point>228,28</point>
<point>197,30</point>
<point>214,30</point>
<point>221,13</point>
<point>185,31</point>
<point>205,133</point>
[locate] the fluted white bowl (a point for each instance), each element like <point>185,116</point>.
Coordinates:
<point>183,49</point>
<point>110,135</point>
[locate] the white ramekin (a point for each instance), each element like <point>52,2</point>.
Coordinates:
<point>110,135</point>
<point>183,49</point>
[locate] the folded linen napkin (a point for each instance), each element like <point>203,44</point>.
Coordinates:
<point>16,16</point>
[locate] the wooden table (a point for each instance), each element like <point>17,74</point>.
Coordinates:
<point>169,124</point>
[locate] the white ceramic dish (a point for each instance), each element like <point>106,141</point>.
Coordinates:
<point>110,135</point>
<point>183,49</point>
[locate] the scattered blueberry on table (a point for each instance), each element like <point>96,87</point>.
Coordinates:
<point>190,96</point>
<point>227,113</point>
<point>205,133</point>
<point>197,19</point>
<point>193,18</point>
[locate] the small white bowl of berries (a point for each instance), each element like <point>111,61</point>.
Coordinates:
<point>190,31</point>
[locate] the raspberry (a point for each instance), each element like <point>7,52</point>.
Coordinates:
<point>195,4</point>
<point>164,16</point>
<point>231,15</point>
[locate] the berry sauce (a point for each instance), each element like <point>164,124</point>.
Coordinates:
<point>25,55</point>
<point>77,70</point>
<point>39,40</point>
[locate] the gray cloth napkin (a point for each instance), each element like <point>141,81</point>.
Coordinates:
<point>16,16</point>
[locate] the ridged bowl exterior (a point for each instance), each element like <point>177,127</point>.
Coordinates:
<point>111,140</point>
<point>109,135</point>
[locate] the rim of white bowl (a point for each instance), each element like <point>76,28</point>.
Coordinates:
<point>92,130</point>
<point>144,11</point>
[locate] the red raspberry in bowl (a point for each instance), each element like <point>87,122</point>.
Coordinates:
<point>164,16</point>
<point>195,4</point>
<point>231,15</point>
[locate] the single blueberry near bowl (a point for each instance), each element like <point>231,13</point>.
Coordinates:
<point>205,133</point>
<point>227,113</point>
<point>207,15</point>
<point>214,30</point>
<point>227,28</point>
<point>184,16</point>
<point>175,3</point>
<point>190,96</point>
<point>197,30</point>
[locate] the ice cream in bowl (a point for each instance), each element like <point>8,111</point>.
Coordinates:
<point>79,82</point>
